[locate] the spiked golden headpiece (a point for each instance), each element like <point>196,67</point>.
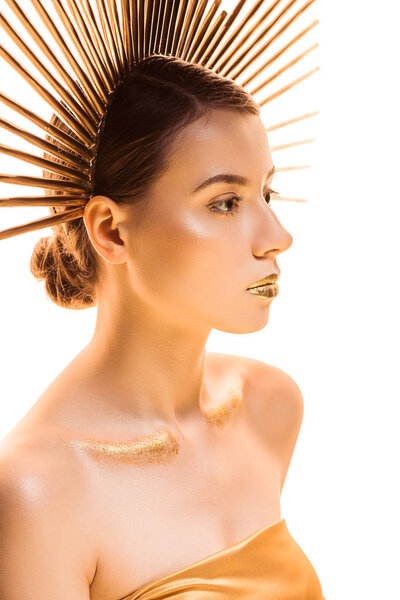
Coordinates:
<point>107,37</point>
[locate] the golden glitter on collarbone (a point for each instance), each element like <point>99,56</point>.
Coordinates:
<point>222,412</point>
<point>162,446</point>
<point>159,447</point>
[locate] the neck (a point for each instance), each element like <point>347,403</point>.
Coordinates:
<point>150,368</point>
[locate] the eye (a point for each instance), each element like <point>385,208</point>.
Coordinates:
<point>236,200</point>
<point>268,195</point>
<point>233,199</point>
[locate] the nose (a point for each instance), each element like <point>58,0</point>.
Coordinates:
<point>269,234</point>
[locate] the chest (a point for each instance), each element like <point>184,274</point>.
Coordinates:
<point>159,519</point>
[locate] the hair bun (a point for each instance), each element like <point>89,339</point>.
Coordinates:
<point>65,280</point>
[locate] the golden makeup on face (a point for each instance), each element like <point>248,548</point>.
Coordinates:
<point>195,248</point>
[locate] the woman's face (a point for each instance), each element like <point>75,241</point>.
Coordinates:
<point>193,249</point>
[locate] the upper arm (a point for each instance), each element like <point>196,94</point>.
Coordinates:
<point>41,548</point>
<point>278,407</point>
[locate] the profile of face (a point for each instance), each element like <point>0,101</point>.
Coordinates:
<point>187,252</point>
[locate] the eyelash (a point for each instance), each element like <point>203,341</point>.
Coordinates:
<point>238,199</point>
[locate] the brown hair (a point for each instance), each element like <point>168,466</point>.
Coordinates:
<point>160,96</point>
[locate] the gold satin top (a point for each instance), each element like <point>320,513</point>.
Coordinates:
<point>266,565</point>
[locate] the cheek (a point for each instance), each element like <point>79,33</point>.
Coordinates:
<point>189,254</point>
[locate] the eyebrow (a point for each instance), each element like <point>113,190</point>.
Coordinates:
<point>228,178</point>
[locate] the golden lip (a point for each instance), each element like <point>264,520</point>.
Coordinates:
<point>273,278</point>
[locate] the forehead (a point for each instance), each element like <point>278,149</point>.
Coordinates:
<point>222,141</point>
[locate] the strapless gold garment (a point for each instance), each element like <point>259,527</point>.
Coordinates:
<point>266,565</point>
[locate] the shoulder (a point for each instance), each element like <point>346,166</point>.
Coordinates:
<point>275,397</point>
<point>43,524</point>
<point>36,469</point>
<point>273,403</point>
<point>271,394</point>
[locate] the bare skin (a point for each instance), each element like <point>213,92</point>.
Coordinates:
<point>171,271</point>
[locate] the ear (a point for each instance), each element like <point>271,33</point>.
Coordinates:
<point>104,220</point>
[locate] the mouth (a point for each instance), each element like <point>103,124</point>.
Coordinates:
<point>270,280</point>
<point>268,290</point>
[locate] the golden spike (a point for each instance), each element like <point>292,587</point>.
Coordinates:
<point>74,88</point>
<point>90,46</point>
<point>155,13</point>
<point>119,24</point>
<point>158,28</point>
<point>129,5</point>
<point>83,78</point>
<point>215,28</point>
<point>288,87</point>
<point>295,60</point>
<point>104,35</point>
<point>45,164</point>
<point>218,25</point>
<point>67,215</point>
<point>52,184</point>
<point>203,30</point>
<point>176,26</point>
<point>180,25</point>
<point>141,28</point>
<point>66,96</point>
<point>43,144</point>
<point>149,25</point>
<point>265,46</point>
<point>67,140</point>
<point>48,200</point>
<point>290,121</point>
<point>80,131</point>
<point>108,35</point>
<point>126,34</point>
<point>161,7</point>
<point>298,143</point>
<point>240,43</point>
<point>168,24</point>
<point>150,20</point>
<point>194,27</point>
<point>165,25</point>
<point>285,198</point>
<point>135,29</point>
<point>116,17</point>
<point>225,29</point>
<point>234,34</point>
<point>278,54</point>
<point>177,22</point>
<point>98,86</point>
<point>117,34</point>
<point>294,168</point>
<point>99,41</point>
<point>183,38</point>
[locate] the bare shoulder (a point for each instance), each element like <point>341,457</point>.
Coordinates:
<point>33,453</point>
<point>273,403</point>
<point>44,522</point>
<point>272,394</point>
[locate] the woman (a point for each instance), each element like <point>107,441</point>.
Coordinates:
<point>150,468</point>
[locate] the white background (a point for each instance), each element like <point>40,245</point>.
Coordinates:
<point>334,326</point>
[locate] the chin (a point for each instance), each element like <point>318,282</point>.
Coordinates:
<point>248,321</point>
